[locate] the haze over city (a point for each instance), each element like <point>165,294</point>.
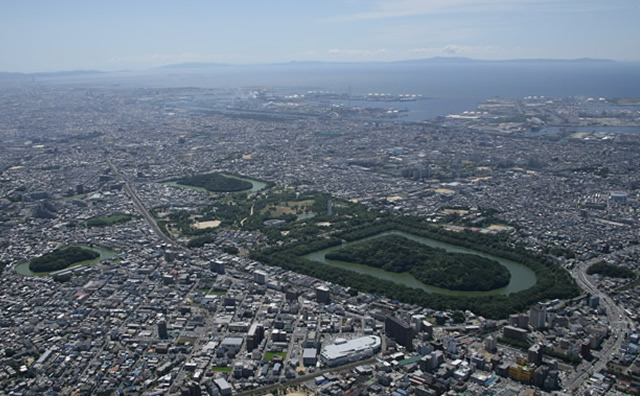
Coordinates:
<point>43,36</point>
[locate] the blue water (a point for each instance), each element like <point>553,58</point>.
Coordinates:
<point>475,80</point>
<point>449,80</point>
<point>420,109</point>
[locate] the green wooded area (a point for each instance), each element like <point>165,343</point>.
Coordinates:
<point>115,218</point>
<point>552,280</point>
<point>61,259</point>
<point>215,182</point>
<point>245,211</point>
<point>431,266</point>
<point>611,270</point>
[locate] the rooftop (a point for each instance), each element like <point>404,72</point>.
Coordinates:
<point>342,349</point>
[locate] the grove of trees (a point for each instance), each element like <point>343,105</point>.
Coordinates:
<point>432,266</point>
<point>215,182</point>
<point>552,281</point>
<point>611,270</point>
<point>61,259</point>
<point>115,218</point>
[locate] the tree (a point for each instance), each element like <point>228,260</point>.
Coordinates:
<point>458,317</point>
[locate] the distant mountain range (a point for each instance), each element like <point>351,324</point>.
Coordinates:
<point>51,74</point>
<point>194,65</point>
<point>435,60</point>
<point>529,60</point>
<point>209,65</point>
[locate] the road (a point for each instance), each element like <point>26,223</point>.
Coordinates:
<point>618,324</point>
<point>618,320</point>
<point>250,214</point>
<point>141,209</point>
<point>304,378</point>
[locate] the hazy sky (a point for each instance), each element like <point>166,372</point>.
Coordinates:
<point>50,35</point>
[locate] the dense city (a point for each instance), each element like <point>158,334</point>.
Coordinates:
<point>176,300</point>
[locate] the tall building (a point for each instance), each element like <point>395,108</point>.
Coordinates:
<point>514,332</point>
<point>519,320</point>
<point>451,345</point>
<point>540,376</point>
<point>162,330</point>
<point>416,322</point>
<point>260,277</point>
<point>491,343</point>
<point>323,295</point>
<point>427,328</point>
<point>192,389</point>
<point>255,336</point>
<point>538,316</point>
<point>217,267</point>
<point>534,354</point>
<point>431,361</point>
<point>523,321</point>
<point>169,255</point>
<point>311,340</point>
<point>585,348</point>
<point>400,331</point>
<point>291,294</point>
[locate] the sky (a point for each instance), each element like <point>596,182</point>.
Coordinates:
<point>47,35</point>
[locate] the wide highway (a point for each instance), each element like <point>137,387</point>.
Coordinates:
<point>618,324</point>
<point>141,209</point>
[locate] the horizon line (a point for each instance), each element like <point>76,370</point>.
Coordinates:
<point>328,62</point>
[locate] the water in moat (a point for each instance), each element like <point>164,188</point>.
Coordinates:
<point>23,268</point>
<point>256,185</point>
<point>522,277</point>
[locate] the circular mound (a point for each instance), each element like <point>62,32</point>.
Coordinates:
<point>431,266</point>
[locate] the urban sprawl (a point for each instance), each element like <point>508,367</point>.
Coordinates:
<point>178,303</point>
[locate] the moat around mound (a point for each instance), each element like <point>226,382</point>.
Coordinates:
<point>533,277</point>
<point>219,182</point>
<point>431,266</point>
<point>62,258</point>
<point>521,276</point>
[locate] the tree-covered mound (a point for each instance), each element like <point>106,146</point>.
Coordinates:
<point>115,218</point>
<point>611,270</point>
<point>431,266</point>
<point>215,182</point>
<point>552,281</point>
<point>61,259</point>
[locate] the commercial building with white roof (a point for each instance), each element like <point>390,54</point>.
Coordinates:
<point>344,351</point>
